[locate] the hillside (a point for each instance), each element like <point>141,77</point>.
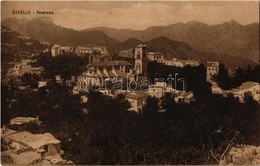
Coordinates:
<point>229,38</point>
<point>14,46</point>
<point>181,50</point>
<point>43,29</point>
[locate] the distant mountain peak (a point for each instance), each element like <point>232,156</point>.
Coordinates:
<point>161,38</point>
<point>232,22</point>
<point>132,39</point>
<point>193,22</point>
<point>44,19</point>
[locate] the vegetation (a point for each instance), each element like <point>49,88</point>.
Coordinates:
<point>66,65</point>
<point>183,134</point>
<point>241,75</point>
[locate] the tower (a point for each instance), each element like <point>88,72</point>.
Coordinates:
<point>140,59</point>
<point>212,70</point>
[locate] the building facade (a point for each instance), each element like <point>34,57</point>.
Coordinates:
<point>137,100</point>
<point>156,56</point>
<point>212,70</point>
<point>129,53</point>
<point>140,59</point>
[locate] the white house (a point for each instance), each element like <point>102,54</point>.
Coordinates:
<point>247,87</point>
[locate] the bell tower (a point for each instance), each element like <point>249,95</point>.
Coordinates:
<point>140,59</point>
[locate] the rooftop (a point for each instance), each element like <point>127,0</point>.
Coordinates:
<point>110,63</point>
<point>87,48</point>
<point>211,63</point>
<point>34,141</point>
<point>137,95</point>
<point>248,85</point>
<point>21,120</point>
<point>155,53</point>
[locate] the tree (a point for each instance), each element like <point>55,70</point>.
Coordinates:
<point>151,106</point>
<point>31,79</point>
<point>222,78</point>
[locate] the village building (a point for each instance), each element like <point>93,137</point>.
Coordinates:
<point>251,88</point>
<point>180,63</point>
<point>75,90</point>
<point>212,70</point>
<point>42,84</point>
<point>156,56</point>
<point>82,51</point>
<point>107,92</point>
<point>140,59</point>
<point>94,54</point>
<point>58,50</point>
<point>155,91</point>
<point>24,120</point>
<point>55,50</point>
<point>44,43</point>
<point>184,97</point>
<point>98,72</point>
<point>25,148</point>
<point>215,89</point>
<point>137,100</point>
<point>58,79</point>
<point>83,99</point>
<point>129,53</point>
<point>24,67</point>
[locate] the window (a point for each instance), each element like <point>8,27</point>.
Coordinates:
<point>138,67</point>
<point>45,148</point>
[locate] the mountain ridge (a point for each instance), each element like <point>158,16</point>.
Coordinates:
<point>229,37</point>
<point>41,30</point>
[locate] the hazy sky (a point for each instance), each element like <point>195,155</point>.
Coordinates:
<point>137,15</point>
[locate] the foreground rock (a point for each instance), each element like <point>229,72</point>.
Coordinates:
<point>242,155</point>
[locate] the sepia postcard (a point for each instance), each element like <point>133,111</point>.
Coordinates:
<point>130,83</point>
